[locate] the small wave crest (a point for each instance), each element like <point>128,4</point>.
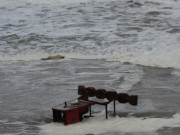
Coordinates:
<point>55,2</point>
<point>74,1</point>
<point>155,58</point>
<point>22,57</point>
<point>44,56</point>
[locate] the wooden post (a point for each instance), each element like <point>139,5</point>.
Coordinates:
<point>106,112</point>
<point>114,107</point>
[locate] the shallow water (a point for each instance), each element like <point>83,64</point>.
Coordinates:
<point>30,89</point>
<point>127,46</point>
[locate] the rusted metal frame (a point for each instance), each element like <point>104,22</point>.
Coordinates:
<point>106,111</point>
<point>90,114</point>
<point>114,107</point>
<point>105,104</point>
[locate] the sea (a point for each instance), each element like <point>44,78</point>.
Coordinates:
<point>129,46</point>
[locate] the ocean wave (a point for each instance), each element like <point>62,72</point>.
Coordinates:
<point>136,32</point>
<point>167,59</point>
<point>155,58</point>
<point>60,2</point>
<point>56,2</point>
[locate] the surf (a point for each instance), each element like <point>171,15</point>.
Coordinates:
<point>99,125</point>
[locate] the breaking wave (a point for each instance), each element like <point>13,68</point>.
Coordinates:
<point>124,31</point>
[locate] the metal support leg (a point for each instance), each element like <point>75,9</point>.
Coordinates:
<point>114,107</point>
<point>106,112</point>
<point>90,111</point>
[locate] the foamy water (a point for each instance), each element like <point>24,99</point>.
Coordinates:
<point>99,124</point>
<point>104,42</point>
<point>140,32</point>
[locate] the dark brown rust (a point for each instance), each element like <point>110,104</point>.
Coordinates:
<point>101,93</point>
<point>81,90</point>
<point>71,113</point>
<point>133,100</point>
<point>110,95</point>
<point>91,91</point>
<point>123,97</point>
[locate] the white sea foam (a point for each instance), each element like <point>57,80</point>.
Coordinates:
<point>52,2</point>
<point>38,56</point>
<point>158,57</point>
<point>99,125</point>
<point>23,57</point>
<point>176,73</point>
<point>75,1</point>
<point>152,47</point>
